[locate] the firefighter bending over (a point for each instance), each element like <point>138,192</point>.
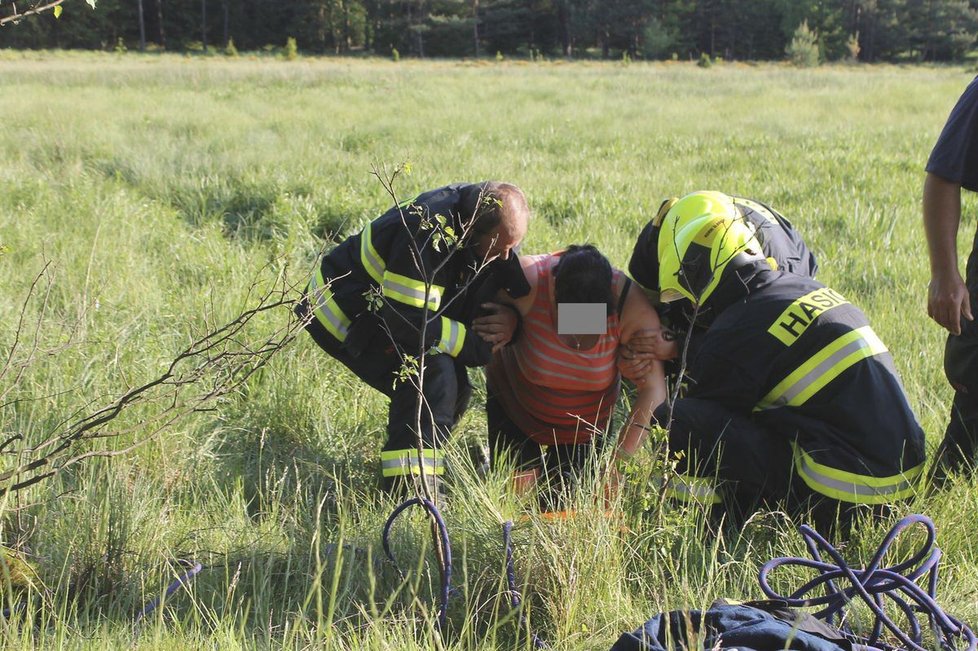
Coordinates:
<point>779,240</point>
<point>791,396</point>
<point>410,283</point>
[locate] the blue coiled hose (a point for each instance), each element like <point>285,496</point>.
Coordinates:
<point>446,568</point>
<point>872,584</point>
<point>443,542</point>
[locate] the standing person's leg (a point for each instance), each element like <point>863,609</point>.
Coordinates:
<point>959,448</point>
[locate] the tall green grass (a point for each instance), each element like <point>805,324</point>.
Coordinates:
<point>161,188</point>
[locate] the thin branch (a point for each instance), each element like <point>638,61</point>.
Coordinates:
<point>215,364</point>
<point>23,363</point>
<point>683,360</point>
<point>20,325</point>
<point>34,9</point>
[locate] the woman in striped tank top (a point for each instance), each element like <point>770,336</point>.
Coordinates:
<point>552,390</point>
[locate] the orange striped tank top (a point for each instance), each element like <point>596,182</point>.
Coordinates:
<point>551,391</point>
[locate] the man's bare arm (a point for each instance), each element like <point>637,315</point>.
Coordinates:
<point>948,299</point>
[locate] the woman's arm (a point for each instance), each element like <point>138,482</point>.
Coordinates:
<point>651,394</point>
<point>638,319</point>
<point>643,339</point>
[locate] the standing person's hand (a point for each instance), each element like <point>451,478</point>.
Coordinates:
<point>948,300</point>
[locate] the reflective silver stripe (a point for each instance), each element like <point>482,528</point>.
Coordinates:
<point>817,372</point>
<point>405,462</point>
<point>853,487</point>
<point>823,367</point>
<point>452,337</point>
<point>756,207</point>
<point>411,292</point>
<point>411,462</point>
<point>688,488</point>
<point>849,487</point>
<point>369,258</point>
<point>326,309</point>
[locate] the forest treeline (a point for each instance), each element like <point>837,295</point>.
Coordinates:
<point>867,30</point>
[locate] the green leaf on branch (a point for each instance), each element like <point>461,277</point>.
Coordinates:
<point>57,11</point>
<point>408,370</point>
<point>445,234</point>
<point>375,301</point>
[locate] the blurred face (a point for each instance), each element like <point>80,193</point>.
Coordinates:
<point>503,239</point>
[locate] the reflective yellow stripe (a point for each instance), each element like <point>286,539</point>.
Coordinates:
<point>852,487</point>
<point>369,258</point>
<point>799,315</point>
<point>398,463</point>
<point>410,291</point>
<point>687,488</point>
<point>452,337</point>
<point>823,367</point>
<point>326,310</point>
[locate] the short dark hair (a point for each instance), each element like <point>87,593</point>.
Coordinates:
<point>583,275</point>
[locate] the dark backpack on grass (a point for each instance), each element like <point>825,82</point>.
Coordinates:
<point>758,626</point>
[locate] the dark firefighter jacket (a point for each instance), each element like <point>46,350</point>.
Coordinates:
<point>402,270</point>
<point>779,240</point>
<point>804,363</point>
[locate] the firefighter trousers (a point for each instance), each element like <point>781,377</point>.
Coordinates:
<point>737,465</point>
<point>445,392</point>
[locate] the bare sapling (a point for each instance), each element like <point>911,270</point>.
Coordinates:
<point>211,367</point>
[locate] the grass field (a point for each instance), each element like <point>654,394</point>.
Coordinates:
<point>164,190</point>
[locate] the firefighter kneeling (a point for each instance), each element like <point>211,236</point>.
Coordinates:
<point>791,395</point>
